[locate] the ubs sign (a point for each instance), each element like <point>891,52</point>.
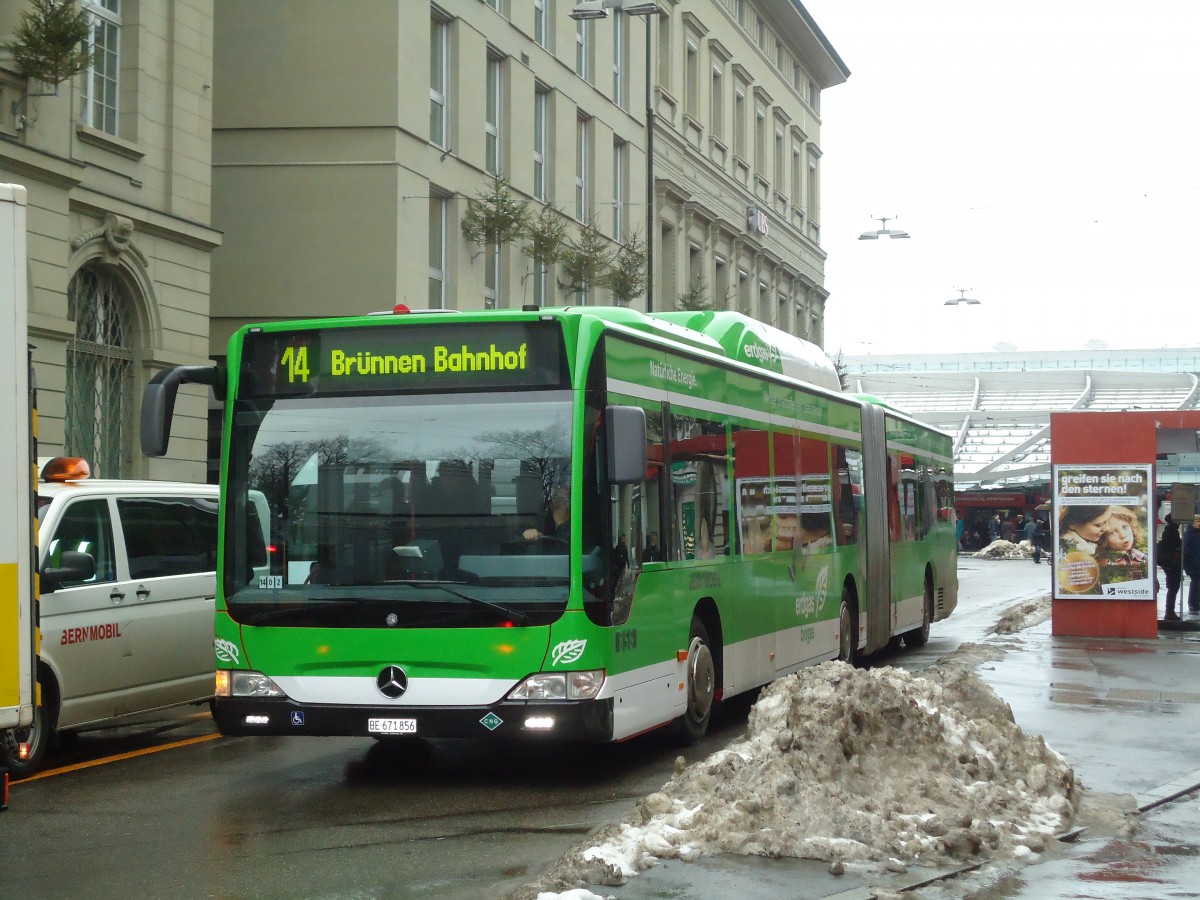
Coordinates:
<point>756,220</point>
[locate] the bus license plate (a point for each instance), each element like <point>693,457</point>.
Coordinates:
<point>392,726</point>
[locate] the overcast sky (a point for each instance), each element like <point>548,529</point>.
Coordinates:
<point>1043,154</point>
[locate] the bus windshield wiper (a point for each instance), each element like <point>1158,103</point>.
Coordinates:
<point>518,617</point>
<point>300,609</point>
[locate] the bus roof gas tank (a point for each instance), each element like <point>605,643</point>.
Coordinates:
<point>751,341</point>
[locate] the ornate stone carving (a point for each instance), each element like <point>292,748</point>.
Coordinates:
<point>117,232</point>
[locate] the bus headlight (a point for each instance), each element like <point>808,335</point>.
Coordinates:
<point>238,683</point>
<point>560,686</point>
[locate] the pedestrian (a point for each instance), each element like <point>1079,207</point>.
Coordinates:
<point>1170,560</point>
<point>1039,540</point>
<point>959,527</point>
<point>1191,564</point>
<point>994,528</point>
<point>1029,533</point>
<point>1008,530</point>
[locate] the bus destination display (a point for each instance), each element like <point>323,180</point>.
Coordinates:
<point>412,357</point>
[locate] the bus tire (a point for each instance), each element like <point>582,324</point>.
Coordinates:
<point>39,735</point>
<point>701,685</point>
<point>847,633</point>
<point>919,637</point>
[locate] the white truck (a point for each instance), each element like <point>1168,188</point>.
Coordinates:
<point>18,596</point>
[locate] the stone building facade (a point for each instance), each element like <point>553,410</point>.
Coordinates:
<point>117,165</point>
<point>341,187</point>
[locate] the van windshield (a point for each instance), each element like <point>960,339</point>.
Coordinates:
<point>442,510</point>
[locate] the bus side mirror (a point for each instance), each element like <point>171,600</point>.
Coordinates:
<point>625,432</point>
<point>158,403</point>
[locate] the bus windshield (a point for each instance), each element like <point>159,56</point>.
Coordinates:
<point>433,510</point>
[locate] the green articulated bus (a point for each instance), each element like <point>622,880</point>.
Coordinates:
<point>580,523</point>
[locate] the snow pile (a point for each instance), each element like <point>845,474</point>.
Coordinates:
<point>1001,549</point>
<point>871,769</point>
<point>1024,615</point>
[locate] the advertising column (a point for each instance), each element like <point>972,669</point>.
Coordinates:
<point>1103,532</point>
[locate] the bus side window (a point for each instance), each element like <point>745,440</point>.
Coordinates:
<point>847,501</point>
<point>700,486</point>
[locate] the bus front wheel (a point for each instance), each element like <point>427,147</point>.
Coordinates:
<point>701,684</point>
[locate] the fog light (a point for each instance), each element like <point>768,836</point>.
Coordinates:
<point>23,751</point>
<point>540,723</point>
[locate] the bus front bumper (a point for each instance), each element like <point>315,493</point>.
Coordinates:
<point>577,721</point>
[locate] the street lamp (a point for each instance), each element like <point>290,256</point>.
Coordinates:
<point>882,232</point>
<point>598,9</point>
<point>961,298</point>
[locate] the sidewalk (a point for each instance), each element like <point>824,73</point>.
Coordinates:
<point>1124,713</point>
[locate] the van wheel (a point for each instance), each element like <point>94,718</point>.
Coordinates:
<point>847,633</point>
<point>919,637</point>
<point>37,735</point>
<point>701,685</point>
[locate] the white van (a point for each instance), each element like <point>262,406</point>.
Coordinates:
<point>128,586</point>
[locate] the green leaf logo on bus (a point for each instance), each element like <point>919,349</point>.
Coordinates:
<point>226,651</point>
<point>567,652</point>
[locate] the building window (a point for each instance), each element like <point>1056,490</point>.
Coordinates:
<point>582,163</point>
<point>797,178</point>
<point>583,49</point>
<point>491,124</point>
<point>664,51</point>
<point>101,81</point>
<point>99,374</point>
<point>720,296</point>
<point>717,101</point>
<point>760,142</point>
<point>540,23</point>
<point>541,111</point>
<point>811,191</point>
<point>620,189</point>
<point>437,251</point>
<point>814,96</point>
<point>780,161</point>
<point>620,61</point>
<point>540,278</point>
<point>691,86</point>
<point>739,124</point>
<point>491,276</point>
<point>439,81</point>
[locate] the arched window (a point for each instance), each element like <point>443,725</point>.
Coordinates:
<point>99,408</point>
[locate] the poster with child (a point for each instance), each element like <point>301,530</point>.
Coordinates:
<point>1103,536</point>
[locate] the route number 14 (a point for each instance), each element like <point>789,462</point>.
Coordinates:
<point>296,360</point>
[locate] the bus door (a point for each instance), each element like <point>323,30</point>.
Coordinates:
<point>875,487</point>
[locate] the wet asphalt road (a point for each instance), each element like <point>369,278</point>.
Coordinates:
<point>205,816</point>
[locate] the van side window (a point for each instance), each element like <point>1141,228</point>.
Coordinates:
<point>85,527</point>
<point>169,536</point>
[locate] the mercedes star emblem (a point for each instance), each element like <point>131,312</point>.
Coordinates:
<point>392,682</point>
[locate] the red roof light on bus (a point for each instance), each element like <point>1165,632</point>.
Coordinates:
<point>401,309</point>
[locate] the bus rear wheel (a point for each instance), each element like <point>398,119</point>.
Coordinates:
<point>847,633</point>
<point>919,637</point>
<point>701,684</point>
